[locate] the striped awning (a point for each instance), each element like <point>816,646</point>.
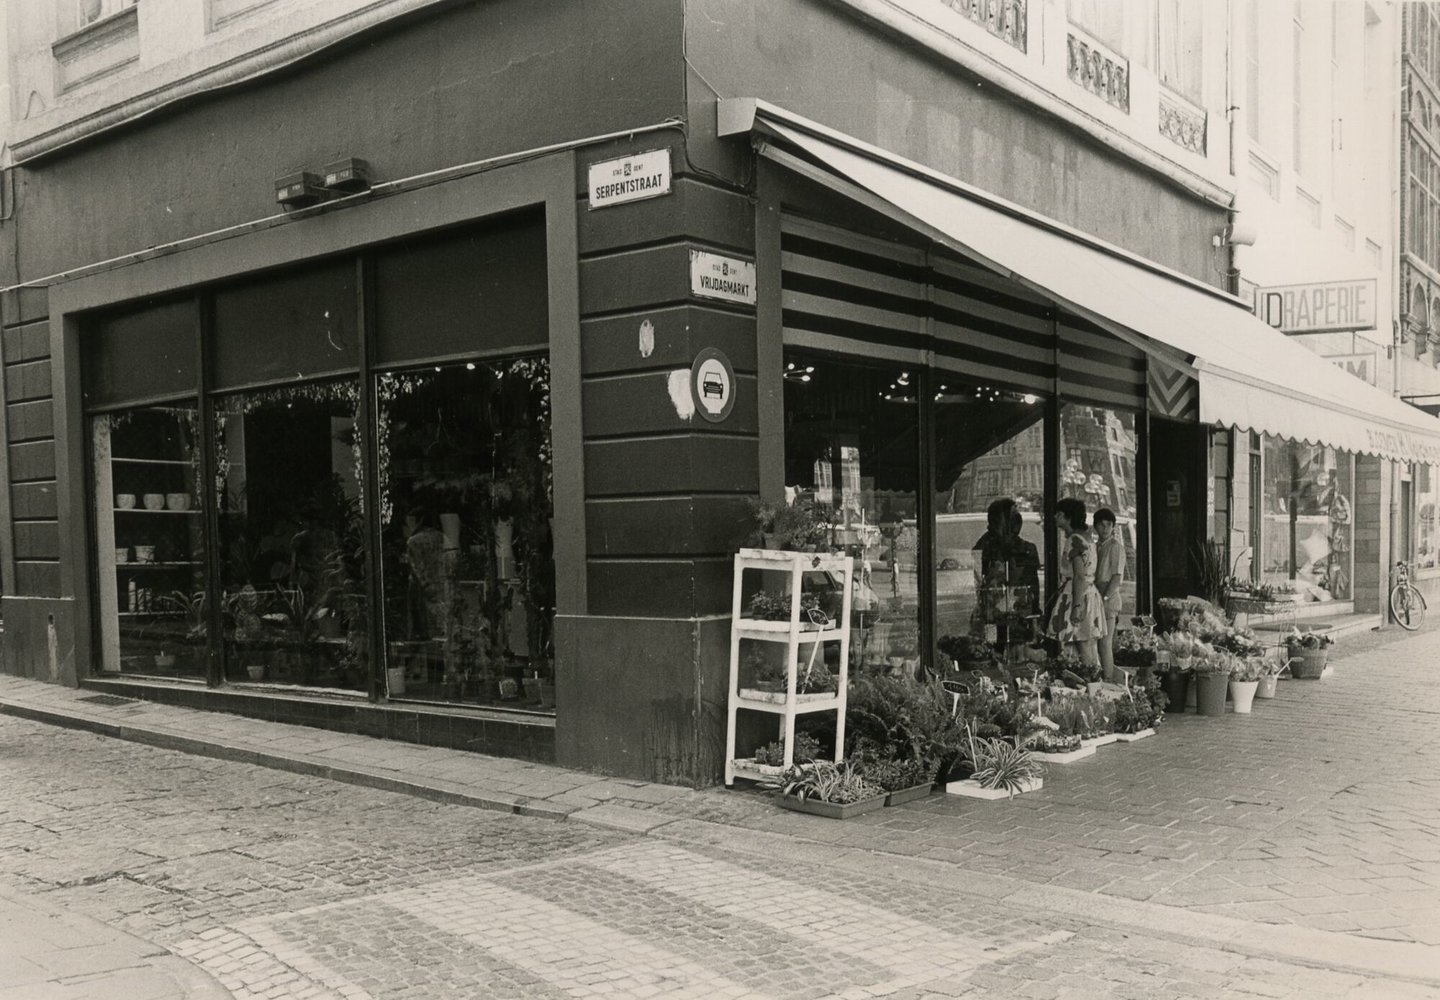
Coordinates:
<point>1249,376</point>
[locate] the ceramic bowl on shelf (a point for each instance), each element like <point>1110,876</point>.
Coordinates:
<point>125,501</point>
<point>154,501</point>
<point>144,553</point>
<point>122,555</point>
<point>177,501</point>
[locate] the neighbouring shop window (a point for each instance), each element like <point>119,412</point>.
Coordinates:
<point>1427,517</point>
<point>287,487</point>
<point>149,541</point>
<point>468,567</point>
<point>852,442</point>
<point>1306,535</point>
<point>989,449</point>
<point>1097,454</point>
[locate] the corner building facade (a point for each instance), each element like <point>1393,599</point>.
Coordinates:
<point>432,460</point>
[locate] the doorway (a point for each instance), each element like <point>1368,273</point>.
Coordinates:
<point>1177,505</point>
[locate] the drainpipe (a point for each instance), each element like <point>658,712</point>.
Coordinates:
<point>1397,292</point>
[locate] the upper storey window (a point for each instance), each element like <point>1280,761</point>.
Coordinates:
<point>90,11</point>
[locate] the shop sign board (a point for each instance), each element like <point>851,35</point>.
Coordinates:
<point>712,382</point>
<point>715,276</point>
<point>1319,307</point>
<point>1362,366</point>
<point>630,178</point>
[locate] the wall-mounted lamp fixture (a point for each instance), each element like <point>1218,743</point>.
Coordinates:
<point>298,190</point>
<point>348,175</point>
<point>1237,234</point>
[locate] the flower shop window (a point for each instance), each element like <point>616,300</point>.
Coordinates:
<point>467,560</point>
<point>989,447</point>
<point>149,540</point>
<point>1427,517</point>
<point>291,536</point>
<point>1097,454</point>
<point>1307,524</point>
<point>852,443</point>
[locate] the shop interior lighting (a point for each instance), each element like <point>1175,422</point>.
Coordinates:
<point>795,373</point>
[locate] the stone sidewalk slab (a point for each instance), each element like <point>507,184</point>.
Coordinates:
<point>47,953</point>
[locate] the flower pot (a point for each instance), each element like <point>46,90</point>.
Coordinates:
<point>256,671</point>
<point>532,688</point>
<point>830,810</point>
<point>773,541</point>
<point>1266,686</point>
<point>547,694</point>
<point>164,661</point>
<point>1177,689</point>
<point>154,501</point>
<point>1310,666</point>
<point>903,795</point>
<point>1242,693</point>
<point>395,681</point>
<point>1211,690</point>
<point>970,788</point>
<point>177,501</point>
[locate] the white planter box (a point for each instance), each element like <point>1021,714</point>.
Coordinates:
<point>972,790</point>
<point>1065,757</point>
<point>1132,737</point>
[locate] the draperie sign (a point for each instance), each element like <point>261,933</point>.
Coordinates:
<point>630,178</point>
<point>717,277</point>
<point>1320,307</point>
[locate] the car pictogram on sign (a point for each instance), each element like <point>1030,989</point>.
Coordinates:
<point>713,387</point>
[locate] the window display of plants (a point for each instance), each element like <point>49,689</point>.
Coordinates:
<point>467,557</point>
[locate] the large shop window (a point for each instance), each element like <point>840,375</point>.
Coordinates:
<point>149,540</point>
<point>292,536</point>
<point>1427,517</point>
<point>1097,452</point>
<point>467,561</point>
<point>1306,534</point>
<point>989,449</point>
<point>852,441</point>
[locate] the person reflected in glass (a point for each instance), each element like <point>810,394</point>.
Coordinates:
<point>1025,560</point>
<point>1109,576</point>
<point>430,562</point>
<point>1079,616</point>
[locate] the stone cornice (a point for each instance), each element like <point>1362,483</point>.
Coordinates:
<point>32,140</point>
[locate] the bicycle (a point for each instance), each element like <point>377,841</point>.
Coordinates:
<point>1407,605</point>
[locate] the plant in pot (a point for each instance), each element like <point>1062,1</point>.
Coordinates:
<point>823,788</point>
<point>1212,679</point>
<point>1135,648</point>
<point>802,526</point>
<point>762,524</point>
<point>999,768</point>
<point>807,748</point>
<point>1245,677</point>
<point>1308,652</point>
<point>904,779</point>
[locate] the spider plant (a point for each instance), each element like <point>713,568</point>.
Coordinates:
<point>825,781</point>
<point>1000,764</point>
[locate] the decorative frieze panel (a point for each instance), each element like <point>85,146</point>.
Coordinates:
<point>1104,74</point>
<point>1182,123</point>
<point>1005,19</point>
<point>98,49</point>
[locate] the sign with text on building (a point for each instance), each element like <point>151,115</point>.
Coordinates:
<point>630,178</point>
<point>1319,307</point>
<point>1362,366</point>
<point>715,276</point>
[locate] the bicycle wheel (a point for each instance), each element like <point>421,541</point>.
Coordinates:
<point>1407,607</point>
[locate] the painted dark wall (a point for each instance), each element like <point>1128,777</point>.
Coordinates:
<point>473,81</point>
<point>824,62</point>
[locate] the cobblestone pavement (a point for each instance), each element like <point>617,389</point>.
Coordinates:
<point>1321,809</point>
<point>283,885</point>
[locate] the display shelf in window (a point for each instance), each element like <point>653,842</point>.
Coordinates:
<point>149,569</point>
<point>793,680</point>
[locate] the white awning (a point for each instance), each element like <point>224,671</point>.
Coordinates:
<point>1250,376</point>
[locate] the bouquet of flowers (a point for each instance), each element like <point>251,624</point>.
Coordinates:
<point>1296,639</point>
<point>1135,648</point>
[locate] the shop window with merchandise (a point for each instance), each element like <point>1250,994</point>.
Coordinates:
<point>1306,540</point>
<point>1427,518</point>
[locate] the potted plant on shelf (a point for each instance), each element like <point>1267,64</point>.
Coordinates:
<point>762,531</point>
<point>1245,677</point>
<point>1309,652</point>
<point>771,756</point>
<point>823,788</point>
